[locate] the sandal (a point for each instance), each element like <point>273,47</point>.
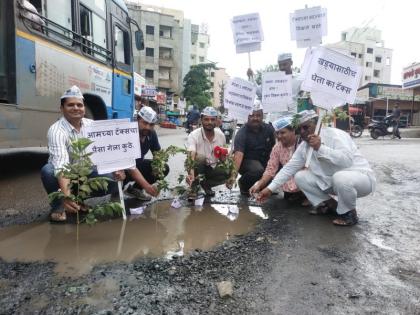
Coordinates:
<point>58,217</point>
<point>347,219</point>
<point>327,207</point>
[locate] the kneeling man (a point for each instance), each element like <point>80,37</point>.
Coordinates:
<point>336,168</point>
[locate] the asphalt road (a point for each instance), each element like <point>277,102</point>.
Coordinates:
<point>291,263</point>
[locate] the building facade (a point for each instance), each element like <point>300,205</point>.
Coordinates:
<point>380,100</point>
<point>368,48</point>
<point>160,61</point>
<point>172,46</point>
<point>218,79</point>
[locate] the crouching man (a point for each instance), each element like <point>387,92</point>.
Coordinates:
<point>60,135</point>
<point>201,145</point>
<point>336,168</point>
<point>142,174</point>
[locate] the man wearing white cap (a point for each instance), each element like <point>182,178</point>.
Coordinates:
<point>68,128</point>
<point>252,148</point>
<point>287,142</point>
<point>200,145</point>
<point>336,168</point>
<point>142,174</point>
<point>285,63</point>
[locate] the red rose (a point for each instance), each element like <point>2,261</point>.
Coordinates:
<point>220,152</point>
<point>217,152</point>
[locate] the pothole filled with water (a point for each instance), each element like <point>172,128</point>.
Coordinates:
<point>160,231</point>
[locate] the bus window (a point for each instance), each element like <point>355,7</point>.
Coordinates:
<point>30,13</point>
<point>122,46</point>
<point>99,32</point>
<point>93,29</point>
<point>63,17</point>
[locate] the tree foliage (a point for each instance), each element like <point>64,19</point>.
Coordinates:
<point>197,85</point>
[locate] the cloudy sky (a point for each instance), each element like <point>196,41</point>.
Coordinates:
<point>398,20</point>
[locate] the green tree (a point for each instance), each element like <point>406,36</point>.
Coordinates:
<point>197,85</point>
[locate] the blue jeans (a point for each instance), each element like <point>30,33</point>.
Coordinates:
<point>50,182</point>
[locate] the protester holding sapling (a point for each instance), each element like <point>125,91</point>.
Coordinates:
<point>61,134</point>
<point>143,173</point>
<point>206,152</point>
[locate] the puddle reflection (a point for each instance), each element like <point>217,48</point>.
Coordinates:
<point>159,231</point>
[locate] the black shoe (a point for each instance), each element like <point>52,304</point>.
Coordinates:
<point>347,219</point>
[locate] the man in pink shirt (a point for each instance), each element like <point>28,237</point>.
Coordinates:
<point>287,142</point>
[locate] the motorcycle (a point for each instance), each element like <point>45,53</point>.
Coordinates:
<point>356,130</point>
<point>381,128</point>
<point>228,128</point>
<point>189,127</point>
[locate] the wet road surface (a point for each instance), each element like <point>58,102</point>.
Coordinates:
<point>161,231</point>
<point>291,263</point>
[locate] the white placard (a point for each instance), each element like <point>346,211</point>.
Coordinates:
<point>239,98</point>
<point>247,32</point>
<point>309,42</point>
<point>247,29</point>
<point>248,48</point>
<point>331,77</point>
<point>276,91</point>
<point>115,144</point>
<point>307,26</point>
<point>111,166</point>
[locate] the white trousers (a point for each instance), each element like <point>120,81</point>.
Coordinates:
<point>346,185</point>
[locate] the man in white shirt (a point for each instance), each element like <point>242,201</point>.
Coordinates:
<point>285,63</point>
<point>336,168</point>
<point>69,127</point>
<point>200,145</point>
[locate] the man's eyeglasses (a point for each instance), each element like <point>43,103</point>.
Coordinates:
<point>304,127</point>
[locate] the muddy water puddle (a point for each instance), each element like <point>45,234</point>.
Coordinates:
<point>160,231</point>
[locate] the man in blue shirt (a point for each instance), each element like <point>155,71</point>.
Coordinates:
<point>142,174</point>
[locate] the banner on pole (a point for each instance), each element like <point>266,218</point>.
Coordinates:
<point>115,144</point>
<point>276,91</point>
<point>331,77</point>
<point>307,26</point>
<point>239,98</point>
<point>247,32</point>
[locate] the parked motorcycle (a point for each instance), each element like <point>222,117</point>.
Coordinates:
<point>228,128</point>
<point>356,130</point>
<point>381,128</point>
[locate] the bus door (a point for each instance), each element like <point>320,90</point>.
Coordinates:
<point>122,96</point>
<point>7,51</point>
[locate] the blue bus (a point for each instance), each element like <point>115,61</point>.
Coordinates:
<point>46,46</point>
